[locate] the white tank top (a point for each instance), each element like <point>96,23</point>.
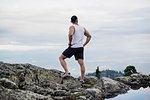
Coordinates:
<point>78,36</point>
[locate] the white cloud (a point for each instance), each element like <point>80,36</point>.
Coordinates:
<point>49,17</point>
<point>112,60</point>
<point>132,43</point>
<point>29,47</point>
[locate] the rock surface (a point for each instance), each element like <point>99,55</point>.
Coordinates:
<point>90,81</point>
<point>7,83</point>
<point>29,82</point>
<point>135,80</point>
<point>10,94</point>
<point>112,88</point>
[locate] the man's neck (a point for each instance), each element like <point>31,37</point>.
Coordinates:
<point>76,23</point>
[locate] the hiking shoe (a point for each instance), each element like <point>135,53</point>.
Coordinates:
<point>66,75</point>
<point>82,81</point>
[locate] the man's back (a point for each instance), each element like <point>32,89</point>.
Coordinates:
<point>78,36</point>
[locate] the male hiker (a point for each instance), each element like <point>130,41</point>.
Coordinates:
<point>76,37</point>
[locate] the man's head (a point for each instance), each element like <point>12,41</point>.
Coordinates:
<point>74,19</point>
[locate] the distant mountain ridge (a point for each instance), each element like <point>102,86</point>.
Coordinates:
<point>107,73</point>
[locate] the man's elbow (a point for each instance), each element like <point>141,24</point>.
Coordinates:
<point>70,35</point>
<point>89,36</point>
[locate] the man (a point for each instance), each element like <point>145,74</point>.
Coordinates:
<point>76,37</point>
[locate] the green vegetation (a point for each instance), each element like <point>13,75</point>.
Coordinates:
<point>129,70</point>
<point>107,73</point>
<point>98,73</point>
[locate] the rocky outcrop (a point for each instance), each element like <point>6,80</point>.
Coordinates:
<point>29,82</point>
<point>90,81</point>
<point>8,84</point>
<point>135,80</point>
<point>26,81</point>
<point>112,88</point>
<point>11,94</point>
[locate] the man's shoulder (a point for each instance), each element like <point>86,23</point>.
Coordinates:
<point>71,27</point>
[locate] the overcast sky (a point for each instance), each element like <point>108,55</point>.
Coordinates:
<point>35,31</point>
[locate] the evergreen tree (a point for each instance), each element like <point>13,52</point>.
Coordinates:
<point>98,73</point>
<point>129,70</point>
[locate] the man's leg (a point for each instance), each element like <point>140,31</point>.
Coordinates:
<point>81,62</point>
<point>63,63</point>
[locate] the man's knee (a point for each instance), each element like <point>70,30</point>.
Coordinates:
<point>62,57</point>
<point>80,61</point>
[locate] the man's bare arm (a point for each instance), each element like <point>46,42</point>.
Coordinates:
<point>87,34</point>
<point>71,32</point>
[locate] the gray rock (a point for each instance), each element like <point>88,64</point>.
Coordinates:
<point>8,84</point>
<point>77,90</point>
<point>39,90</point>
<point>62,98</point>
<point>61,93</point>
<point>71,83</point>
<point>90,81</point>
<point>112,88</point>
<point>93,94</point>
<point>81,98</point>
<point>10,94</point>
<point>135,80</point>
<point>27,74</point>
<point>52,85</point>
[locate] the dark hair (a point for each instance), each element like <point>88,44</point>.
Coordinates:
<point>73,19</point>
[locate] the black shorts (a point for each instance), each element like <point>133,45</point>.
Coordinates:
<point>77,52</point>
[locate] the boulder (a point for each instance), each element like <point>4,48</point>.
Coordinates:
<point>62,98</point>
<point>135,80</point>
<point>52,85</point>
<point>11,94</point>
<point>71,83</point>
<point>112,88</point>
<point>90,81</point>
<point>39,90</point>
<point>7,83</point>
<point>81,98</point>
<point>27,74</point>
<point>61,93</point>
<point>93,93</point>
